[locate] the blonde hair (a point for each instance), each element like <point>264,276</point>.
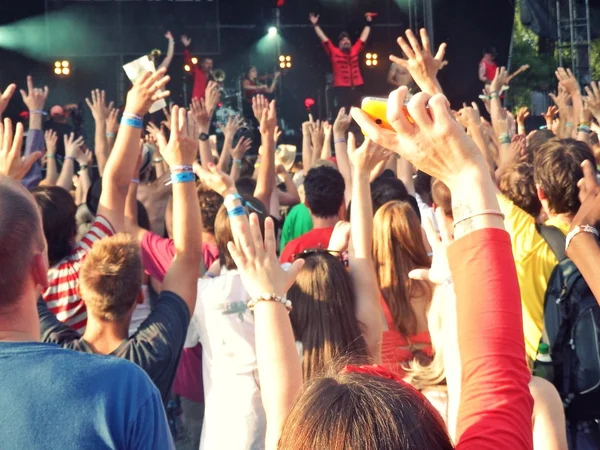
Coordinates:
<point>110,277</point>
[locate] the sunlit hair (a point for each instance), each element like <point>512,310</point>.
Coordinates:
<point>323,317</point>
<point>362,411</point>
<point>110,277</point>
<point>398,248</point>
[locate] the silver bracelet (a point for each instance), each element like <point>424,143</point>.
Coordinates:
<point>580,229</point>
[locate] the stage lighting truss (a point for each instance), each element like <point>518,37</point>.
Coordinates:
<point>285,62</point>
<point>372,59</point>
<point>62,68</point>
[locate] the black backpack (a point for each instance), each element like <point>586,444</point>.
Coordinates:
<point>572,325</point>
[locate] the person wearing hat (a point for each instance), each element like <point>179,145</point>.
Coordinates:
<point>345,63</point>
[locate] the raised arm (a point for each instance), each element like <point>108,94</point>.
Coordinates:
<point>170,52</point>
<point>569,82</point>
<point>180,154</point>
<point>119,168</point>
<point>50,139</point>
<point>5,97</point>
<point>229,129</point>
<point>187,56</point>
<point>265,183</point>
<point>307,150</point>
<point>340,145</point>
<point>362,272</point>
<point>34,99</point>
<point>315,23</point>
<point>202,118</point>
<point>421,64</point>
<point>11,163</point>
<point>100,112</point>
<point>364,35</point>
<point>72,152</point>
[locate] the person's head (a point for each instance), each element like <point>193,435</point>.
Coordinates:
<point>556,171</point>
<point>489,53</point>
<point>210,203</point>
<point>386,189</point>
<point>323,318</point>
<point>110,278</point>
<point>245,185</point>
<point>58,114</point>
<point>223,233</point>
<point>206,64</point>
<point>535,140</point>
<point>517,185</point>
<point>398,248</point>
<point>362,411</point>
<point>58,211</point>
<point>423,186</point>
<point>344,42</point>
<point>252,73</point>
<point>441,197</point>
<point>23,255</point>
<point>324,189</point>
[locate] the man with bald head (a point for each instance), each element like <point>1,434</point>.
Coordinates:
<point>111,403</point>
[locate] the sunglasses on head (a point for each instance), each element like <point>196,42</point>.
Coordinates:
<point>342,256</point>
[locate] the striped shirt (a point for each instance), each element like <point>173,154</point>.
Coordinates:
<point>62,295</point>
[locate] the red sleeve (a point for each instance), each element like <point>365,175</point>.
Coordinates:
<point>327,46</point>
<point>187,57</point>
<point>495,405</point>
<point>157,255</point>
<point>358,46</point>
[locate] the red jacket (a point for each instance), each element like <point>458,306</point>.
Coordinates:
<point>346,69</point>
<point>200,78</point>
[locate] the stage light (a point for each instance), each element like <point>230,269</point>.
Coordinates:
<point>288,65</point>
<point>288,58</point>
<point>272,31</point>
<point>57,70</point>
<point>187,68</point>
<point>57,64</point>
<point>309,103</point>
<point>194,60</point>
<point>62,68</point>
<point>371,60</point>
<point>285,62</point>
<point>66,71</point>
<point>65,64</point>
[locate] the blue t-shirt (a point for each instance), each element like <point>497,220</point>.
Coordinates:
<point>52,398</point>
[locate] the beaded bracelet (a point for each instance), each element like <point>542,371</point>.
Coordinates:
<point>236,212</point>
<point>182,177</point>
<point>182,168</point>
<point>270,298</point>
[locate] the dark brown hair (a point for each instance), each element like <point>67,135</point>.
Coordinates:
<point>362,411</point>
<point>210,202</point>
<point>517,184</point>
<point>20,237</point>
<point>323,318</point>
<point>58,217</point>
<point>557,169</point>
<point>398,248</point>
<point>223,233</point>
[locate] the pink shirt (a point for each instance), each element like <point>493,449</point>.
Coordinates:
<point>157,255</point>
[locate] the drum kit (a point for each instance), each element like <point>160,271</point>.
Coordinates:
<point>231,103</point>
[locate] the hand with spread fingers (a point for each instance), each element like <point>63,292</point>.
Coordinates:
<point>215,179</point>
<point>98,105</point>
<point>243,145</point>
<point>366,157</point>
<point>592,98</point>
<point>147,90</point>
<point>181,149</point>
<point>435,143</point>
<point>11,162</point>
<point>420,62</point>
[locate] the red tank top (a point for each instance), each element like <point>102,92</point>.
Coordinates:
<point>490,69</point>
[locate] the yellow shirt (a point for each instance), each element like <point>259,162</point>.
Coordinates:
<point>534,261</point>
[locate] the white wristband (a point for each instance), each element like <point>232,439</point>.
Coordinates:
<point>580,229</point>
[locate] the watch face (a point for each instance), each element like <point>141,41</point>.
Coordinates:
<point>203,137</point>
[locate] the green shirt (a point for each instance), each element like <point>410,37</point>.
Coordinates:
<point>297,222</point>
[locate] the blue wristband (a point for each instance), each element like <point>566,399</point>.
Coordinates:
<point>235,196</point>
<point>131,122</point>
<point>236,212</point>
<point>182,177</point>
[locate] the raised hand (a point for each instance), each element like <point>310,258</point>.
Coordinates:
<point>199,112</point>
<point>212,97</point>
<point>231,127</point>
<point>98,105</point>
<point>112,121</point>
<point>549,116</point>
<point>435,143</point>
<point>186,41</point>
<point>146,91</point>
<point>268,121</point>
<point>593,99</point>
<point>314,19</point>
<point>567,80</point>
<point>589,211</point>
<point>500,80</point>
<point>50,139</point>
<point>277,135</point>
<point>366,157</point>
<point>421,64</point>
<point>84,157</point>
<point>11,163</point>
<point>34,98</point>
<point>158,135</point>
<point>243,145</point>
<point>561,99</point>
<point>6,96</point>
<point>340,238</point>
<point>522,115</point>
<point>72,145</point>
<point>169,35</point>
<point>214,179</point>
<point>257,260</point>
<point>469,116</point>
<point>342,122</point>
<point>259,104</point>
<point>181,148</point>
<point>317,135</point>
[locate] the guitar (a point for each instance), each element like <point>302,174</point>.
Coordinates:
<point>517,72</point>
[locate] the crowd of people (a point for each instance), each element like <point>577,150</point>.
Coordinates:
<point>390,290</point>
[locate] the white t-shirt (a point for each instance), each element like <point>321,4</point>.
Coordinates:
<point>141,311</point>
<point>234,417</point>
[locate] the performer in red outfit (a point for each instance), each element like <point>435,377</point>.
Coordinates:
<point>202,73</point>
<point>347,78</point>
<point>488,66</point>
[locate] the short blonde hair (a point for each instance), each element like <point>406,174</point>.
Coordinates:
<point>110,277</point>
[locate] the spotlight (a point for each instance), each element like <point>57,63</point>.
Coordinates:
<point>187,68</point>
<point>66,71</point>
<point>282,65</point>
<point>57,70</point>
<point>62,68</point>
<point>288,58</point>
<point>65,64</point>
<point>288,65</point>
<point>57,64</point>
<point>194,60</point>
<point>272,31</point>
<point>285,61</point>
<point>281,58</point>
<point>371,60</point>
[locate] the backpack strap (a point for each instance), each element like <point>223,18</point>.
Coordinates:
<point>555,239</point>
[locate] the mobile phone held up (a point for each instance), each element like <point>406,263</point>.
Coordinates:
<point>376,109</point>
